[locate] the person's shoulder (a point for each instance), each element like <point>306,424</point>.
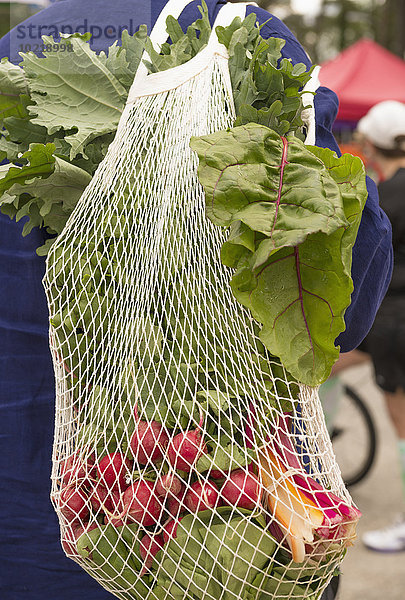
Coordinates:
<point>270,23</point>
<point>272,26</point>
<point>104,19</point>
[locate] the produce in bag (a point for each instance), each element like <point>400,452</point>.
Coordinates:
<point>210,251</point>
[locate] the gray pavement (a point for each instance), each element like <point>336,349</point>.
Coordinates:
<point>370,575</point>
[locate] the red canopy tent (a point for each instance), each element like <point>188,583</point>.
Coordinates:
<point>363,75</point>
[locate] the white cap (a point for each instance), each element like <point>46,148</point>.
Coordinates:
<point>383,124</point>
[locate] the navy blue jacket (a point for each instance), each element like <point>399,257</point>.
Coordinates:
<point>32,563</point>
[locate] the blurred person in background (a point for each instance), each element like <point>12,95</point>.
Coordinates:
<point>382,132</point>
<point>32,563</point>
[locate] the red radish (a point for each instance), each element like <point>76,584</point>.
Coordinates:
<point>201,496</point>
<point>148,440</point>
<point>175,504</point>
<point>242,489</point>
<point>112,470</point>
<point>73,504</point>
<point>170,530</point>
<point>215,474</point>
<point>149,546</point>
<point>141,503</point>
<point>70,538</point>
<point>169,484</point>
<point>186,448</point>
<point>74,468</point>
<point>103,499</point>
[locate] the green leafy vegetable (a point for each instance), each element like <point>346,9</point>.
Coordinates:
<point>272,184</point>
<point>220,552</point>
<point>14,95</point>
<point>64,98</point>
<point>267,88</point>
<point>45,189</point>
<point>70,104</point>
<point>183,46</point>
<point>224,458</point>
<point>293,213</point>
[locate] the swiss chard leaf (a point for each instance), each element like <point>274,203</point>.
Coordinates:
<point>348,172</point>
<point>291,246</point>
<point>271,184</point>
<point>299,295</point>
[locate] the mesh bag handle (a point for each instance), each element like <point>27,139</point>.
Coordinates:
<point>308,115</point>
<point>146,84</point>
<point>159,34</point>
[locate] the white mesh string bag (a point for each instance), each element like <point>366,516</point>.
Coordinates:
<point>185,464</point>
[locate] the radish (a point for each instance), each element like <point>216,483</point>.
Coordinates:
<point>149,546</point>
<point>74,468</point>
<point>73,504</point>
<point>104,499</point>
<point>186,448</point>
<point>175,504</point>
<point>168,484</point>
<point>70,539</point>
<point>201,496</point>
<point>215,474</point>
<point>141,503</point>
<point>170,529</point>
<point>112,470</point>
<point>242,489</point>
<point>148,440</point>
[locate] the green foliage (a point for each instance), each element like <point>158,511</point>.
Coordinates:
<point>183,46</point>
<point>267,88</point>
<point>272,185</point>
<point>45,189</point>
<point>13,91</point>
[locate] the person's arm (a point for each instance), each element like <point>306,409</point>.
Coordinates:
<point>372,252</point>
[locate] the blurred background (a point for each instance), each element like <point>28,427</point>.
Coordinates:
<point>12,13</point>
<point>326,27</point>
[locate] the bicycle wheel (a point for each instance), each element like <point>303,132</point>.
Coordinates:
<point>354,437</point>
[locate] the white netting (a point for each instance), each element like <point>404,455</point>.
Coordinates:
<point>185,464</point>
